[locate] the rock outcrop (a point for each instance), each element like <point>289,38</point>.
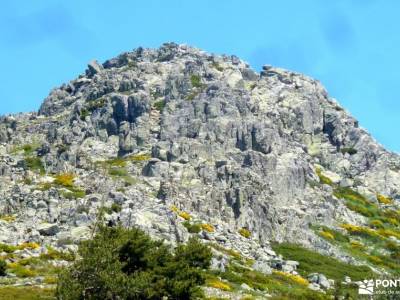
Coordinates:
<point>155,137</point>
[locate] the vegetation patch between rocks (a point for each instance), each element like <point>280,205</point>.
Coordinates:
<point>313,262</point>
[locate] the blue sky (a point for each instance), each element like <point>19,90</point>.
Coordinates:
<point>351,46</point>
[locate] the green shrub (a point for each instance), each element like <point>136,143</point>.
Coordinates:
<point>121,263</point>
<point>337,236</point>
<point>366,236</point>
<point>45,186</point>
<point>53,254</point>
<point>327,235</point>
<point>349,194</point>
<point>7,248</point>
<point>115,207</point>
<point>392,246</point>
<point>230,252</point>
<point>218,284</point>
<point>116,166</point>
<point>245,233</point>
<point>386,232</point>
<point>357,245</point>
<point>184,215</point>
<point>344,291</point>
<point>196,81</point>
<point>34,164</point>
<point>376,224</point>
<point>207,227</point>
<point>119,162</point>
<point>28,149</point>
<point>280,285</point>
<point>383,199</point>
<point>28,245</point>
<point>365,210</point>
<point>21,271</point>
<point>394,215</point>
<point>84,113</point>
<point>357,202</point>
<point>73,193</point>
<point>117,169</point>
<point>118,172</point>
<point>348,150</point>
<point>3,267</point>
<point>139,157</point>
<point>361,231</point>
<point>50,280</point>
<point>129,180</point>
<point>192,228</point>
<point>8,218</point>
<point>159,105</point>
<point>65,180</point>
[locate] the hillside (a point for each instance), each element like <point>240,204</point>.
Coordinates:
<point>180,142</point>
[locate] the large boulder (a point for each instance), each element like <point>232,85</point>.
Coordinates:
<point>48,229</point>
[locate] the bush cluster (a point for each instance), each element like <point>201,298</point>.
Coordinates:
<point>159,105</point>
<point>192,228</point>
<point>245,233</point>
<point>3,267</point>
<point>348,150</point>
<point>121,263</point>
<point>195,80</point>
<point>35,164</point>
<point>64,180</point>
<point>383,199</point>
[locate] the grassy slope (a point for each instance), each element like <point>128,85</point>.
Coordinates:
<point>26,293</point>
<point>313,262</point>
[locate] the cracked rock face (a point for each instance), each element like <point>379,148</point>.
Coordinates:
<point>176,127</point>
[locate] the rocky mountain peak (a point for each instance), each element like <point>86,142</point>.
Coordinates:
<point>160,137</point>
